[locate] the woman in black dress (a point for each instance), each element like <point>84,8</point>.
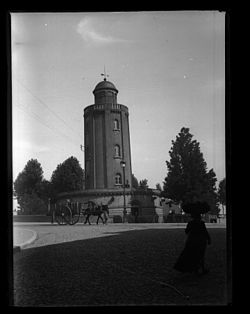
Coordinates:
<point>192,257</point>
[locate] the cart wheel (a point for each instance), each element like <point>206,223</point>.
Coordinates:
<point>63,215</point>
<point>75,215</point>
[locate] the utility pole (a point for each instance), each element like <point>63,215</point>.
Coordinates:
<point>123,165</point>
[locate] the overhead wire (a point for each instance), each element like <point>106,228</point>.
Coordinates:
<point>44,104</point>
<point>37,118</point>
<point>59,148</point>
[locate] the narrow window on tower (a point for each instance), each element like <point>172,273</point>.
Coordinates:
<point>117,151</point>
<point>118,179</point>
<point>116,125</point>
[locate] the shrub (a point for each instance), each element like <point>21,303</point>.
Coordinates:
<point>117,219</point>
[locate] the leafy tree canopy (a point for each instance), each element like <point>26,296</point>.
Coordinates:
<point>32,204</point>
<point>68,176</point>
<point>222,192</point>
<point>188,179</point>
<point>143,184</point>
<point>135,183</point>
<point>158,187</point>
<point>29,179</point>
<point>29,188</point>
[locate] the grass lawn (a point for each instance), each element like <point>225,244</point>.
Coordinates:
<point>127,268</point>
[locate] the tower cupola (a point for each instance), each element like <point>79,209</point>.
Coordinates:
<point>105,93</point>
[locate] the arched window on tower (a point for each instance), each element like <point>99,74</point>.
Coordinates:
<point>116,125</point>
<point>118,179</point>
<point>117,151</point>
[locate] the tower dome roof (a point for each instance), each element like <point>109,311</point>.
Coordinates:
<point>105,85</point>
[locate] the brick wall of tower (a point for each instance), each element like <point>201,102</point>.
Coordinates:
<point>99,143</point>
<point>101,164</point>
<point>106,145</point>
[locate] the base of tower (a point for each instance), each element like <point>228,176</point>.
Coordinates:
<point>140,206</point>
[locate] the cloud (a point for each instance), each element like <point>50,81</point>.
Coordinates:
<point>87,31</point>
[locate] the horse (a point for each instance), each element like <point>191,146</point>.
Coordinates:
<point>96,211</point>
<point>105,211</point>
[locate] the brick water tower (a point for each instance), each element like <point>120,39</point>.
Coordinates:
<point>107,141</point>
<point>108,173</point>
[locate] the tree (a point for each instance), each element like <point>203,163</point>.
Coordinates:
<point>29,179</point>
<point>188,179</point>
<point>32,204</point>
<point>143,184</point>
<point>45,190</point>
<point>158,187</point>
<point>68,176</point>
<point>27,188</point>
<point>135,183</point>
<point>222,193</point>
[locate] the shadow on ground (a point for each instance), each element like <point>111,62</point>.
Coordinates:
<point>127,269</point>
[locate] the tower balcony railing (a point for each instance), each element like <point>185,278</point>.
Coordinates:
<point>99,107</point>
<point>111,106</point>
<point>116,106</point>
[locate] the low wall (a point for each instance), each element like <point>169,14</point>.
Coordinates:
<point>114,218</point>
<point>31,218</point>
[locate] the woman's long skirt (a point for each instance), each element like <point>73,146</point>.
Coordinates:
<point>192,256</point>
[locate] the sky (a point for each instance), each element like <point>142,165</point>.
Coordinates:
<point>169,69</point>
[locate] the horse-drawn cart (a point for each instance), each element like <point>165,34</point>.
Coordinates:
<point>70,213</point>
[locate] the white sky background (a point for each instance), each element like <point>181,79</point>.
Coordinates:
<point>169,68</point>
